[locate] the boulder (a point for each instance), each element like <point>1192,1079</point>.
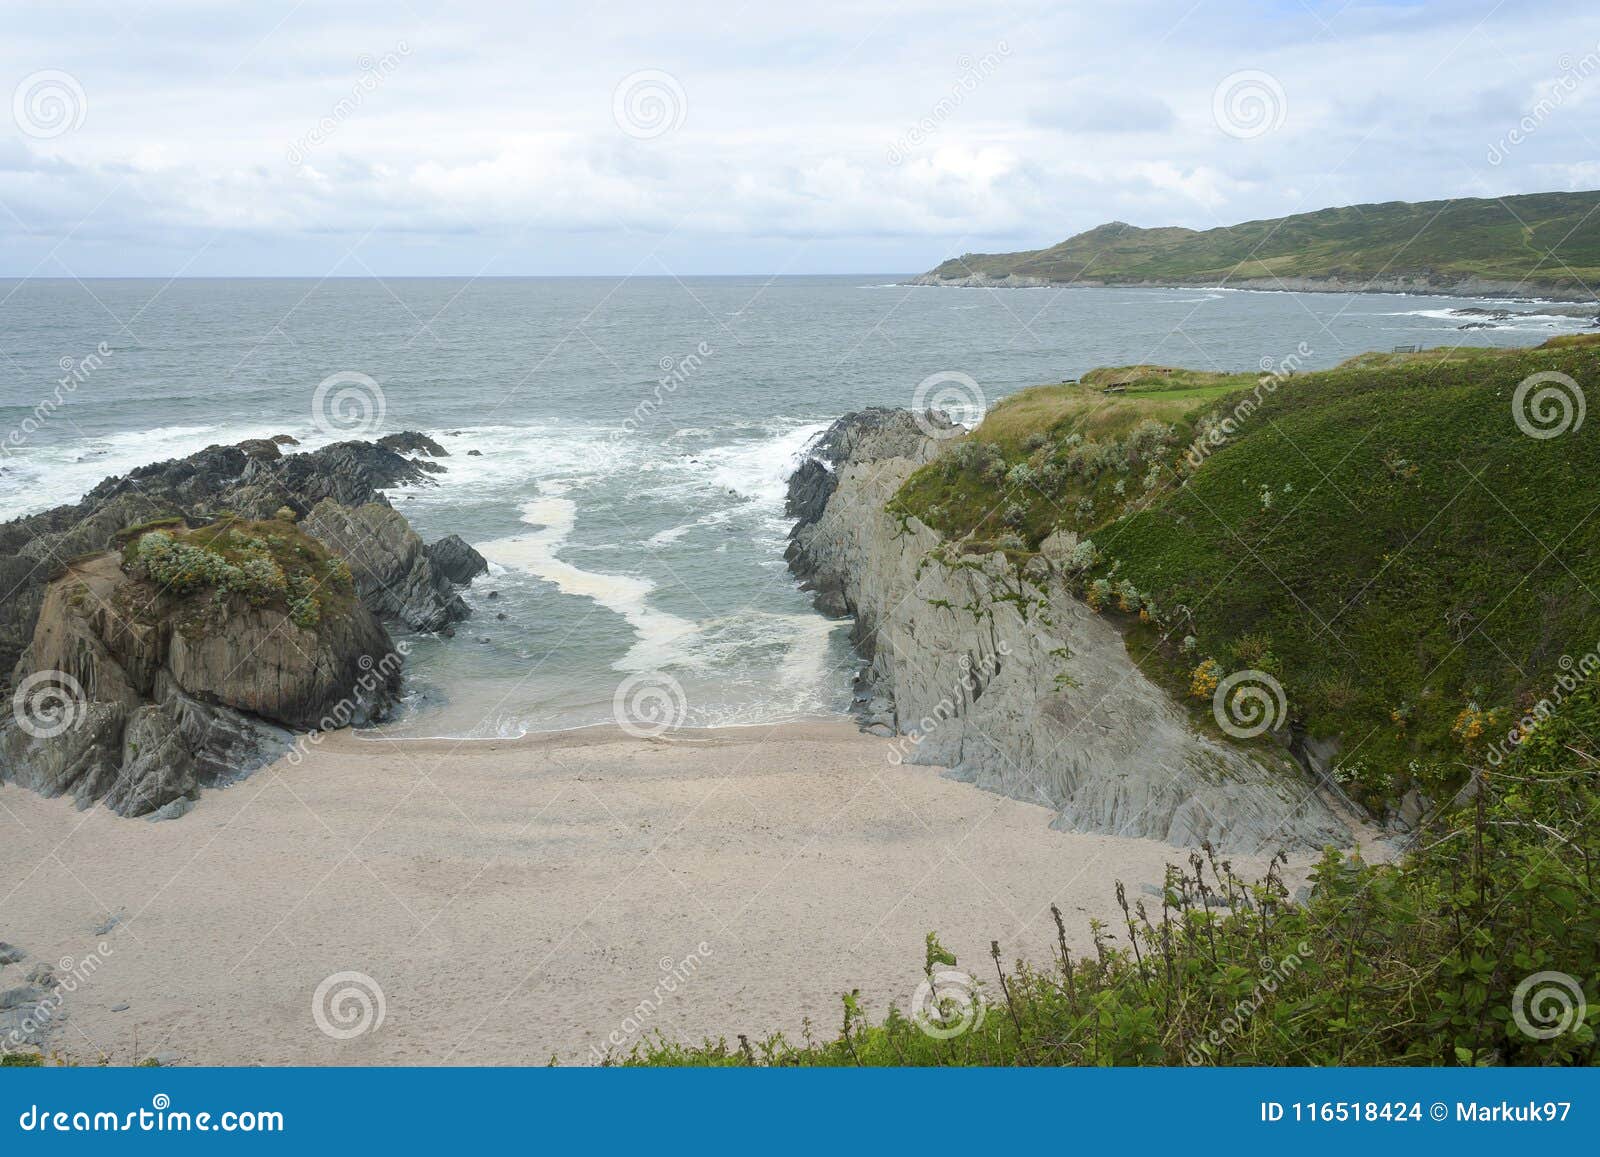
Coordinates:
<point>456,560</point>
<point>412,442</point>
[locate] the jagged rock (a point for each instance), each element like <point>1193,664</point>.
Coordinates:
<point>456,560</point>
<point>10,953</point>
<point>393,573</point>
<point>413,442</point>
<point>1111,751</point>
<point>196,489</point>
<point>479,453</point>
<point>182,692</point>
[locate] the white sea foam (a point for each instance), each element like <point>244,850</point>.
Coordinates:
<point>625,595</point>
<point>41,476</point>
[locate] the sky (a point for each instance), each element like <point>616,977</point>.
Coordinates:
<point>203,138</point>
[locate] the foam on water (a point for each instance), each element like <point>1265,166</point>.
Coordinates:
<point>625,595</point>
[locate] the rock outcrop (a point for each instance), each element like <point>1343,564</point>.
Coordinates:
<point>456,560</point>
<point>131,694</point>
<point>142,695</point>
<point>1012,682</point>
<point>394,574</point>
<point>252,480</point>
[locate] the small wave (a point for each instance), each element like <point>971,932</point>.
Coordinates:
<point>625,595</point>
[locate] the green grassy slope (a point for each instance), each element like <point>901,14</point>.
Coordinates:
<point>1550,241</point>
<point>1385,540</point>
<point>1381,538</point>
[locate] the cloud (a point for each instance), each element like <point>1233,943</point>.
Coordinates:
<point>835,136</point>
<point>1100,112</point>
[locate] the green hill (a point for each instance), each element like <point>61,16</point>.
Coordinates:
<point>1545,244</point>
<point>1383,538</point>
<point>1409,544</point>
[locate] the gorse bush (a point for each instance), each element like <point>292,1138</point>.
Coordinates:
<point>1477,948</point>
<point>263,564</point>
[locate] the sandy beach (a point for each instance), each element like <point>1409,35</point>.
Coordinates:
<point>518,900</point>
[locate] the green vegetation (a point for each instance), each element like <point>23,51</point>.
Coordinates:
<point>1549,242</point>
<point>1419,963</point>
<point>1386,541</point>
<point>264,563</point>
<point>1382,538</point>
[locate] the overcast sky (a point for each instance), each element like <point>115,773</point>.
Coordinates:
<point>412,137</point>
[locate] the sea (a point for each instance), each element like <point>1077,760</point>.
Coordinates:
<point>618,447</point>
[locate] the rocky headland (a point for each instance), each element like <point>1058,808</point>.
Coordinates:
<point>1010,680</point>
<point>174,629</point>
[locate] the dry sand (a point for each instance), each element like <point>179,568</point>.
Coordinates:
<point>516,900</point>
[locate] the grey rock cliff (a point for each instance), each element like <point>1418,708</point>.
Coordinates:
<point>1017,686</point>
<point>250,480</point>
<point>165,695</point>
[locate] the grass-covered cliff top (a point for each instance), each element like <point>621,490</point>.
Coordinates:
<point>266,563</point>
<point>1548,241</point>
<point>1386,540</point>
<point>1382,538</point>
